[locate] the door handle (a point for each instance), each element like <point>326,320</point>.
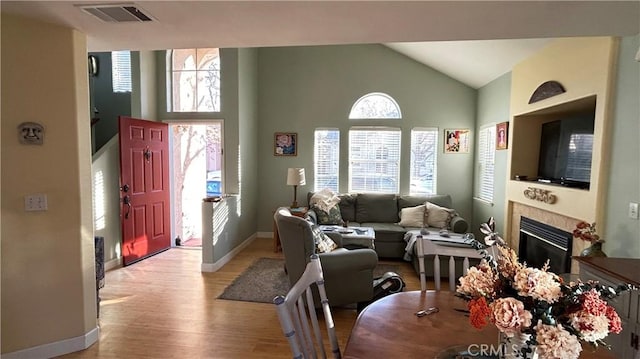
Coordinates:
<point>127,200</point>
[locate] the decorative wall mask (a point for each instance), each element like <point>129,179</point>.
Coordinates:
<point>31,133</point>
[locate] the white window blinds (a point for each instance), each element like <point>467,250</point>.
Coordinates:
<point>326,159</point>
<point>374,159</point>
<point>486,162</point>
<point>121,71</point>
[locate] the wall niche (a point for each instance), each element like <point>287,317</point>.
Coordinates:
<point>554,145</point>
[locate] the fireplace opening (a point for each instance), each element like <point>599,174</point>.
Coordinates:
<point>539,242</point>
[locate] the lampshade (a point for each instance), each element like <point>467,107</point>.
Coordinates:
<point>295,177</point>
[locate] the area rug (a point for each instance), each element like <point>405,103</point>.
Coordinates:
<point>265,279</point>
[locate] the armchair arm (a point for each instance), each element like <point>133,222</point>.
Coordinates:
<point>337,237</point>
<point>343,260</point>
<point>459,224</point>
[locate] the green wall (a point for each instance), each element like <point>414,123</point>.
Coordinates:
<point>303,88</point>
<point>239,112</point>
<point>622,233</point>
<point>109,104</point>
<point>493,108</point>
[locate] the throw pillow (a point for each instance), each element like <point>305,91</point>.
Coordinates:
<point>412,216</point>
<point>333,216</point>
<point>438,217</point>
<point>323,242</point>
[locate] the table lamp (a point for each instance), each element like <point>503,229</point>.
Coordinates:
<point>295,178</point>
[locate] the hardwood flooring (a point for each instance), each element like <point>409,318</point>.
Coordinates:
<point>164,307</point>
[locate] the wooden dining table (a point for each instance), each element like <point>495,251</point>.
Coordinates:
<point>390,328</point>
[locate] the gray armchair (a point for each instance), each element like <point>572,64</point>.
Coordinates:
<point>348,274</point>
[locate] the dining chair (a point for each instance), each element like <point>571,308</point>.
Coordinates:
<point>295,316</point>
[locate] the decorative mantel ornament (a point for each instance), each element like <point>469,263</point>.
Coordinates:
<point>540,194</point>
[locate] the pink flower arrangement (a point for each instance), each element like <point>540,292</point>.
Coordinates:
<point>517,299</point>
<point>587,232</point>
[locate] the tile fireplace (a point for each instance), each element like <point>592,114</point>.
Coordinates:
<point>551,221</point>
<point>540,242</point>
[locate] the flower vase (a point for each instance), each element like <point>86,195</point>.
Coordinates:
<point>512,347</point>
<point>594,250</point>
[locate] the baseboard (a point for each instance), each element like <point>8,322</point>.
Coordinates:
<point>213,267</point>
<point>265,234</point>
<point>114,263</point>
<point>57,348</point>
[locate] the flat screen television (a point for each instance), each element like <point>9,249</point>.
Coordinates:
<point>566,147</point>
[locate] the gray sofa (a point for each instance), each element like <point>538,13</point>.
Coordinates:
<point>381,212</point>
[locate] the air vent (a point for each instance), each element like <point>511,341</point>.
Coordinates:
<point>117,12</point>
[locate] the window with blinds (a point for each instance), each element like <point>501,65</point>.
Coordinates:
<point>374,159</point>
<point>486,162</point>
<point>326,159</point>
<point>424,142</point>
<point>121,71</point>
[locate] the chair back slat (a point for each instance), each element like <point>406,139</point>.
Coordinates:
<point>298,320</point>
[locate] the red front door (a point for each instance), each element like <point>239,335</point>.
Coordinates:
<point>144,188</point>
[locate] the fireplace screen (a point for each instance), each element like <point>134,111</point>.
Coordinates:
<point>539,242</point>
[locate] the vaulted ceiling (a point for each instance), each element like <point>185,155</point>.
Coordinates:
<point>449,36</point>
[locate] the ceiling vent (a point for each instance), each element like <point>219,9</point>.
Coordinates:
<point>117,12</point>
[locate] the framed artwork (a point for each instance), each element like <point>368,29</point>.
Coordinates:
<point>285,144</point>
<point>502,136</point>
<point>457,140</point>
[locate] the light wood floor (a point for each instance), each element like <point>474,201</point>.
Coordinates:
<point>164,307</point>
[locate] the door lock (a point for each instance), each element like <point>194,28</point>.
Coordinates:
<point>127,200</point>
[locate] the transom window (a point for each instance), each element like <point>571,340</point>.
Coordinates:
<point>326,159</point>
<point>194,80</point>
<point>374,159</point>
<point>375,105</point>
<point>424,142</point>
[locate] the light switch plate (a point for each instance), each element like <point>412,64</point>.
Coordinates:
<point>35,202</point>
<point>633,210</point>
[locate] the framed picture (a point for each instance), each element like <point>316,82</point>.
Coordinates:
<point>502,136</point>
<point>457,140</point>
<point>285,144</point>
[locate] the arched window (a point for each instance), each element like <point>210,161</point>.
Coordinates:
<point>375,105</point>
<point>194,80</point>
